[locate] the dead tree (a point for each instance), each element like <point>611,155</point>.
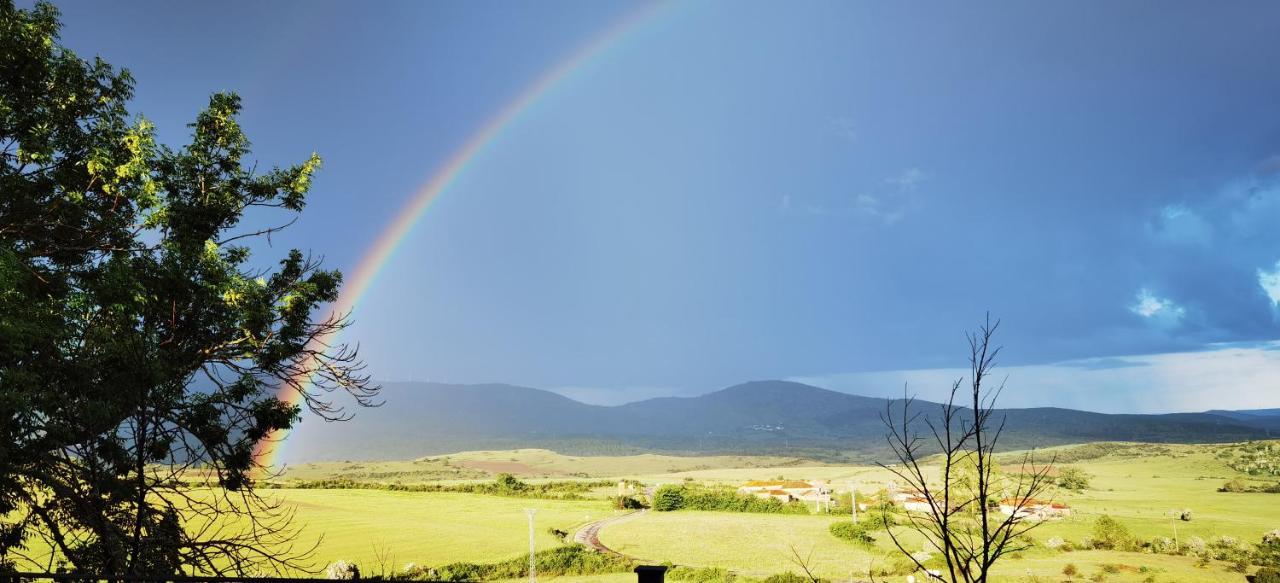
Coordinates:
<point>947,459</point>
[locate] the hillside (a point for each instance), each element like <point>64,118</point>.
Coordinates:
<point>776,417</point>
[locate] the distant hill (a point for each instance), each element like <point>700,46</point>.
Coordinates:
<point>776,417</point>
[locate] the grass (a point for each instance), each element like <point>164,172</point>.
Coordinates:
<point>1139,485</point>
<point>1139,490</point>
<point>525,463</point>
<point>429,528</point>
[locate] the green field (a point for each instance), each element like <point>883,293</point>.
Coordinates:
<point>381,529</point>
<point>430,529</point>
<point>526,463</point>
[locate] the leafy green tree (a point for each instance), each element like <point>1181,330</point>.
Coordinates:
<point>1073,478</point>
<point>140,349</point>
<point>668,498</point>
<point>1109,533</point>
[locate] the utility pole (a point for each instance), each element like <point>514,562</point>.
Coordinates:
<point>853,501</point>
<point>533,562</point>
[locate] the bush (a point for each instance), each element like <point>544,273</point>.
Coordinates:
<point>855,533</point>
<point>1073,478</point>
<point>700,574</point>
<point>688,497</point>
<point>1267,575</point>
<point>343,571</point>
<point>628,503</point>
<point>786,578</point>
<point>1234,485</point>
<point>566,560</point>
<point>668,498</point>
<point>1268,552</point>
<point>1070,570</point>
<point>1109,533</point>
<point>898,566</point>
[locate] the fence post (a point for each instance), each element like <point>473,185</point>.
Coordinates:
<point>650,573</point>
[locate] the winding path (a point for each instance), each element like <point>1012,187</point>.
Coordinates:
<point>589,535</point>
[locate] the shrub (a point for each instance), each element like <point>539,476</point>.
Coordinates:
<point>786,578</point>
<point>1268,552</point>
<point>700,574</point>
<point>898,566</point>
<point>668,498</point>
<point>855,533</point>
<point>343,571</point>
<point>1070,570</point>
<point>1234,485</point>
<point>628,503</point>
<point>1073,478</point>
<point>1162,545</point>
<point>1267,575</point>
<point>688,497</point>
<point>1195,545</point>
<point>566,560</point>
<point>1109,533</point>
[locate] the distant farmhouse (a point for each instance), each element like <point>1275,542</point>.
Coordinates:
<point>1035,509</point>
<point>817,491</point>
<point>909,500</point>
<point>915,501</point>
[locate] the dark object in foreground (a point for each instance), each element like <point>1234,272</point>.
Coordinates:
<point>650,573</point>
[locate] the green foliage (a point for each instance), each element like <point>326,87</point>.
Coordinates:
<point>1070,570</point>
<point>1234,485</point>
<point>857,533</point>
<point>786,578</point>
<point>504,485</point>
<point>689,497</point>
<point>1267,553</point>
<point>567,560</point>
<point>700,575</point>
<point>668,498</point>
<point>894,567</point>
<point>1073,478</point>
<point>1267,575</point>
<point>124,277</point>
<point>1109,533</point>
<point>1256,458</point>
<point>628,503</point>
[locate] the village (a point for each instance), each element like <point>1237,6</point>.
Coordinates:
<point>821,494</point>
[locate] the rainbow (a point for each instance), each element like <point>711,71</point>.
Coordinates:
<point>384,248</point>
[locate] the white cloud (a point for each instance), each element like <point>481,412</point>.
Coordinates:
<point>1178,224</point>
<point>1224,377</point>
<point>1153,307</point>
<point>1270,282</point>
<point>908,179</point>
<point>845,127</point>
<point>788,205</point>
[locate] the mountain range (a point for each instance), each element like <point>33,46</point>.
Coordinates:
<point>773,417</point>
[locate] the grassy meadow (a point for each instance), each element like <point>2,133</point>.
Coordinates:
<point>382,529</point>
<point>1142,486</point>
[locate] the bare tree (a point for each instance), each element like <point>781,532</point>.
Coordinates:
<point>962,485</point>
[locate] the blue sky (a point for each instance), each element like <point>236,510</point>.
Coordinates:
<point>831,192</point>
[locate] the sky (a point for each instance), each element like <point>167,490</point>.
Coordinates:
<point>731,191</point>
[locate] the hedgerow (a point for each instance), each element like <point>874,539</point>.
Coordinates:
<point>504,485</point>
